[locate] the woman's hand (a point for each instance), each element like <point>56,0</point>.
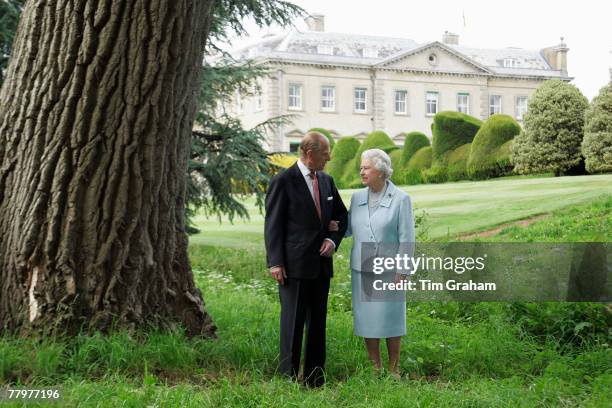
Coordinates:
<point>333,226</point>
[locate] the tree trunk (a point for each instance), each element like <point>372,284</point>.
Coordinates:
<point>95,122</point>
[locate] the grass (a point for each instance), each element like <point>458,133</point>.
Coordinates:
<point>454,355</point>
<point>452,208</point>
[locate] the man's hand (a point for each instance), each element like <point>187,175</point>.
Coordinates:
<point>333,226</point>
<point>399,277</point>
<point>327,248</point>
<point>279,274</point>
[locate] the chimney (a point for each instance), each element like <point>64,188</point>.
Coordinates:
<point>450,38</point>
<point>315,22</point>
<point>556,56</point>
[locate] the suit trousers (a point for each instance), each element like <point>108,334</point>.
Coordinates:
<point>304,301</point>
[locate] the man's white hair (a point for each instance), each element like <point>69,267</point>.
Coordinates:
<point>380,160</point>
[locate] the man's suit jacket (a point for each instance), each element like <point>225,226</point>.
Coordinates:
<point>293,231</point>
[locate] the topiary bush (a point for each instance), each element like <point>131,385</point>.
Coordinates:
<point>328,135</point>
<point>396,165</point>
<point>344,151</point>
<point>457,163</point>
<point>597,144</point>
<point>451,130</point>
<point>420,161</point>
<point>350,177</point>
<point>553,132</point>
<point>487,158</point>
<point>412,143</point>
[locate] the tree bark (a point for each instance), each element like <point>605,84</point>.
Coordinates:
<point>95,122</point>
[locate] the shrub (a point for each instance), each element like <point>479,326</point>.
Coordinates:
<point>435,174</point>
<point>282,159</point>
<point>457,163</point>
<point>396,164</point>
<point>413,142</point>
<point>553,130</point>
<point>487,158</point>
<point>420,161</point>
<point>327,134</point>
<point>377,140</point>
<point>566,325</point>
<point>343,152</point>
<point>451,130</point>
<point>597,143</point>
<point>350,177</point>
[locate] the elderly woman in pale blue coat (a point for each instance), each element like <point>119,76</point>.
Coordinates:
<point>380,213</point>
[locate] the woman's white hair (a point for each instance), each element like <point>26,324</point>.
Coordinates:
<point>380,160</point>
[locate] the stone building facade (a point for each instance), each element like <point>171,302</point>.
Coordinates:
<point>352,84</point>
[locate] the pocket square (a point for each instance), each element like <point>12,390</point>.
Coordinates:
<point>330,198</point>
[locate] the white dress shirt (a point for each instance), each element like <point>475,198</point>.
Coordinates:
<point>310,183</point>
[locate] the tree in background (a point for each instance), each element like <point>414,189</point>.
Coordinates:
<point>9,17</point>
<point>597,143</point>
<point>553,130</point>
<point>228,161</point>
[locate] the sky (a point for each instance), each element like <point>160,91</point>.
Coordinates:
<point>586,27</point>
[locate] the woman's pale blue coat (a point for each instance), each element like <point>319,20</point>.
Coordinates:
<point>392,222</point>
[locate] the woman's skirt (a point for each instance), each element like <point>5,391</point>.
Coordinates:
<point>376,318</point>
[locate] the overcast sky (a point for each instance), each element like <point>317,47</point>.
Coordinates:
<point>531,24</point>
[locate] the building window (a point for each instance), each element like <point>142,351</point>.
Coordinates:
<point>294,147</point>
<point>463,103</point>
<point>521,107</point>
<point>401,102</point>
<point>431,102</point>
<point>432,59</point>
<point>328,98</point>
<point>295,96</point>
<point>510,63</point>
<point>495,104</point>
<point>361,99</point>
<point>325,49</point>
<point>369,52</point>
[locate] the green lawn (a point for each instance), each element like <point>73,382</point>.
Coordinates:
<point>451,208</point>
<point>454,355</point>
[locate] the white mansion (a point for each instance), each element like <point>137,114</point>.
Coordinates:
<point>353,84</point>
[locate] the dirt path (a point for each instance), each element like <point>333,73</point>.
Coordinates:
<point>488,233</point>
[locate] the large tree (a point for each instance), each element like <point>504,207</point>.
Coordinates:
<point>96,116</point>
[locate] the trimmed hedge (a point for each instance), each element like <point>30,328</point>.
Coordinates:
<point>396,165</point>
<point>420,161</point>
<point>597,142</point>
<point>486,160</point>
<point>412,143</point>
<point>350,177</point>
<point>435,174</point>
<point>457,163</point>
<point>450,130</point>
<point>343,152</point>
<point>327,134</point>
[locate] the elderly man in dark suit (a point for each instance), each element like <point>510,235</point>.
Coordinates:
<point>300,203</point>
